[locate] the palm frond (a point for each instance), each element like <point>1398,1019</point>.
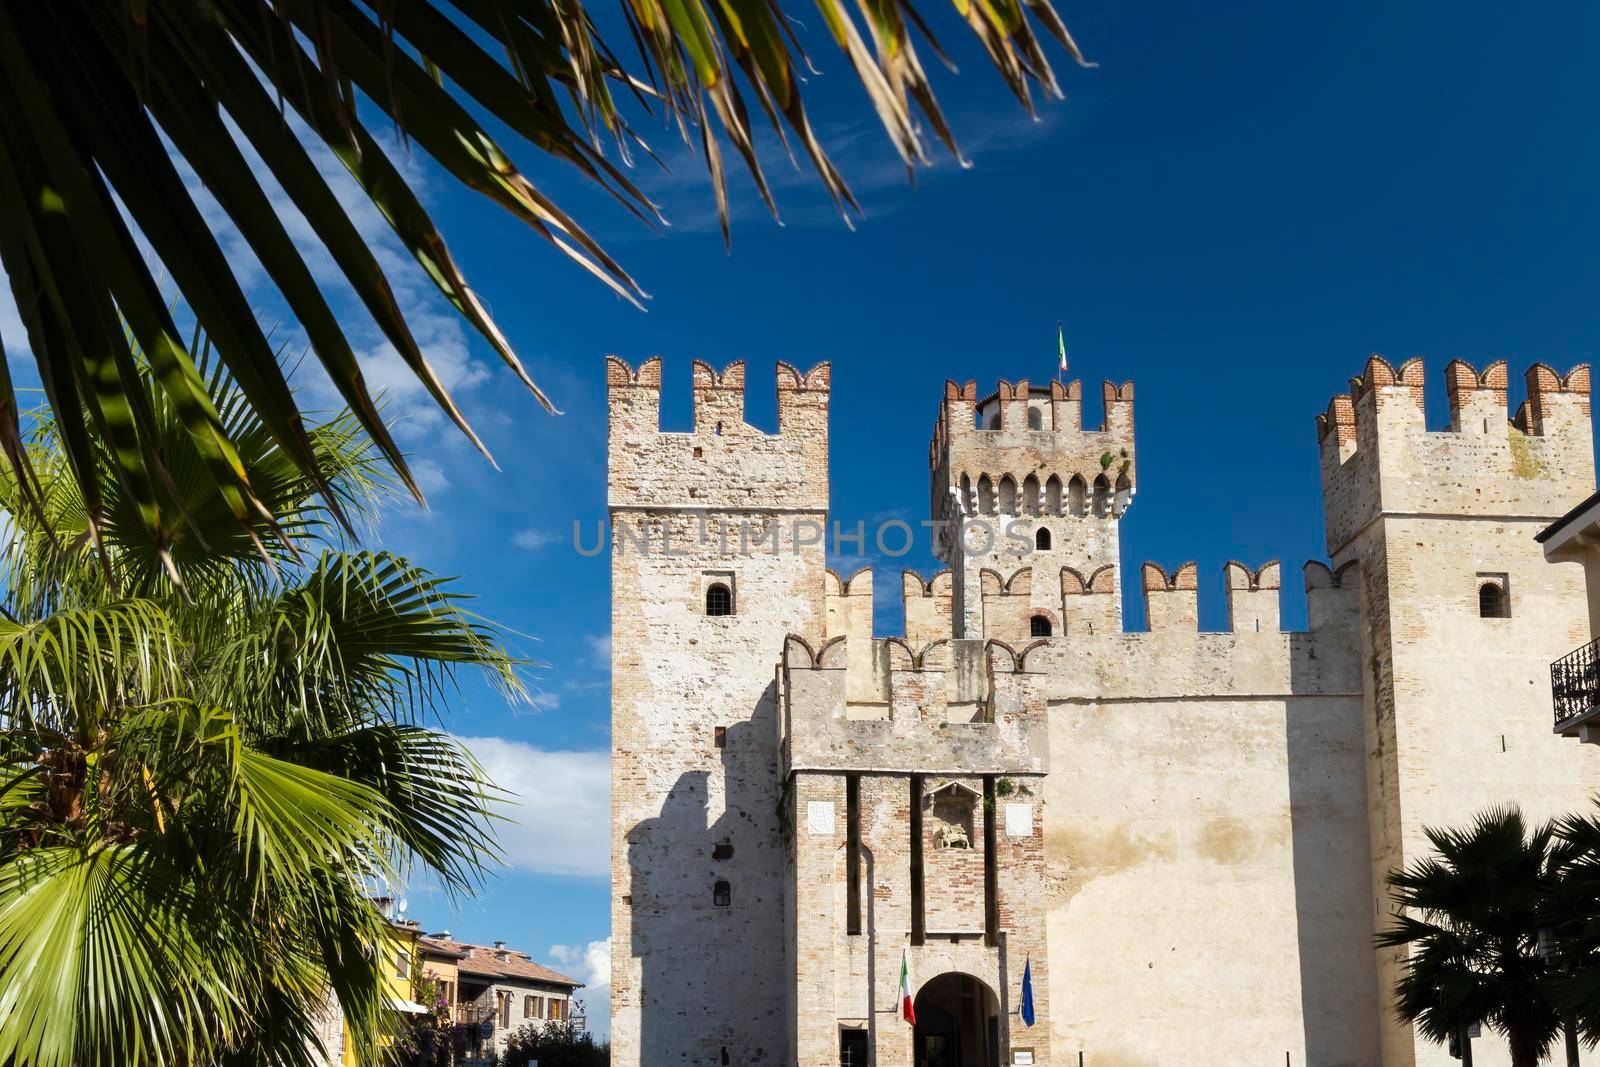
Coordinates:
<point>110,949</point>
<point>111,98</point>
<point>200,785</point>
<point>1470,921</point>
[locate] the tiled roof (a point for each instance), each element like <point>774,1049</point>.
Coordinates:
<point>485,961</point>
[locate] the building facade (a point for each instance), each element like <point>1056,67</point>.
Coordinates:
<point>1180,837</point>
<point>493,991</point>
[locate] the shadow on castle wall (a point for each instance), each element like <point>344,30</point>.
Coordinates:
<point>703,891</point>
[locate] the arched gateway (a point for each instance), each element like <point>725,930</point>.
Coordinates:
<point>958,1023</point>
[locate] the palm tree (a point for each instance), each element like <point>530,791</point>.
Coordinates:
<point>108,98</point>
<point>200,784</point>
<point>1573,939</point>
<point>1470,917</point>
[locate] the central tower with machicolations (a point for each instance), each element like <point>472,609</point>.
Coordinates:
<point>1171,843</point>
<point>1016,479</point>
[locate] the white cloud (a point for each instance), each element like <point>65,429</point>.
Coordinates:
<point>599,647</point>
<point>430,477</point>
<point>591,965</point>
<point>560,813</point>
<point>534,540</point>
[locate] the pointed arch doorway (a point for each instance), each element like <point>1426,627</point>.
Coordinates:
<point>958,1023</point>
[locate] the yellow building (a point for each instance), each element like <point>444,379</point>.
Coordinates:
<point>400,959</point>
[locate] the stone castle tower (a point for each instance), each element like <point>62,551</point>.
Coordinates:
<point>1453,698</point>
<point>1181,835</point>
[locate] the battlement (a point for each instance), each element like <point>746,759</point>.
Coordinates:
<point>952,707</point>
<point>1083,607</point>
<point>1023,450</point>
<point>723,463</point>
<point>928,677</point>
<point>1378,455</point>
<point>1014,409</point>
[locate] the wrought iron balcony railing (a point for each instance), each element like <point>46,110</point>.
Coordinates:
<point>1575,683</point>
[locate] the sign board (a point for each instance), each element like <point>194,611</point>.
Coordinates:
<point>819,816</point>
<point>1019,823</point>
<point>1021,1055</point>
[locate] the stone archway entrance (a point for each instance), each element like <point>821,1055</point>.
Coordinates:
<point>958,1023</point>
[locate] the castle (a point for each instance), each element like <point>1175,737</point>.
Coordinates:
<point>1181,836</point>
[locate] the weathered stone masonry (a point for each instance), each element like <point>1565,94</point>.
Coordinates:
<point>1183,833</point>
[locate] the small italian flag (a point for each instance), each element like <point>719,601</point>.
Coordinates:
<point>907,1011</point>
<point>1061,346</point>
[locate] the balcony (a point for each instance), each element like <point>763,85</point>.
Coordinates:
<point>1575,690</point>
<point>474,1014</point>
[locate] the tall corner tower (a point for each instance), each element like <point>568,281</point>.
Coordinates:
<point>1017,481</point>
<point>717,555</point>
<point>1461,615</point>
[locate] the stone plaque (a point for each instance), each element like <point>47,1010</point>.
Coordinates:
<point>1019,820</point>
<point>819,816</point>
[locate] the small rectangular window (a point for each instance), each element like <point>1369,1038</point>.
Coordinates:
<point>402,963</point>
<point>717,593</point>
<point>720,736</point>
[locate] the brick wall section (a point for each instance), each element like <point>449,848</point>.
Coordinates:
<point>927,607</point>
<point>928,730</point>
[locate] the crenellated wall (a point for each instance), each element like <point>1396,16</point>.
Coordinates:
<point>1379,456</point>
<point>723,462</point>
<point>957,733</point>
<point>954,707</point>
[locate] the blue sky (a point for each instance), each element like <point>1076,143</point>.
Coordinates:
<point>1233,210</point>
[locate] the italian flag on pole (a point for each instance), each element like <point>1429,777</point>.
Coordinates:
<point>907,1011</point>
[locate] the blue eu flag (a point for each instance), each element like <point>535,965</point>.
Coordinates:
<point>1027,992</point>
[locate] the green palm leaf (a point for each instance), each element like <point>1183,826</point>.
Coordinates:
<point>113,94</point>
<point>200,786</point>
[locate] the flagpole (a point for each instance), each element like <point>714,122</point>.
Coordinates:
<point>1058,339</point>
